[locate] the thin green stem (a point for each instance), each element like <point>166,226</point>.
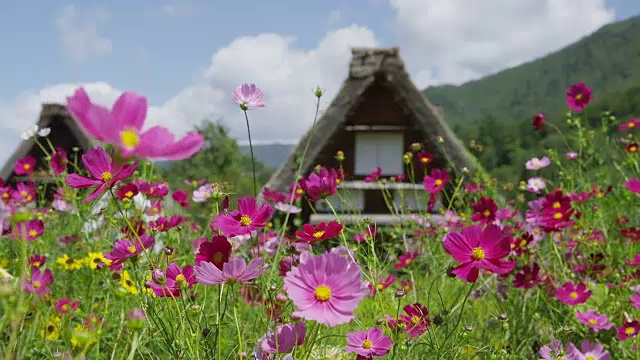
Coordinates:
<point>253,161</point>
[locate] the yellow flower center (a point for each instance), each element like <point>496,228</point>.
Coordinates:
<point>477,254</point>
<point>37,284</point>
<point>22,193</point>
<point>217,257</point>
<point>129,138</point>
<point>26,166</point>
<point>65,307</point>
<point>132,249</point>
<point>556,205</point>
<point>438,182</point>
<point>245,220</point>
<point>632,124</point>
<point>579,97</point>
<point>408,261</point>
<point>367,344</point>
<point>106,176</point>
<point>318,234</point>
<point>629,330</point>
<point>593,321</point>
<point>323,293</point>
<point>557,216</point>
<point>523,243</point>
<point>379,286</point>
<point>128,194</point>
<point>573,295</point>
<point>589,357</point>
<point>300,191</point>
<point>180,278</point>
<point>486,213</point>
<point>415,319</point>
<point>33,233</point>
<point>5,195</point>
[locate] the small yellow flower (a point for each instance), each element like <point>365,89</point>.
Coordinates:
<point>82,337</point>
<point>51,329</point>
<point>128,283</point>
<point>68,263</point>
<point>93,259</point>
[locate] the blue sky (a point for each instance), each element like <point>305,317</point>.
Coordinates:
<point>187,56</point>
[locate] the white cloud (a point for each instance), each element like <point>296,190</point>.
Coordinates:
<point>455,41</point>
<point>78,32</point>
<point>286,74</point>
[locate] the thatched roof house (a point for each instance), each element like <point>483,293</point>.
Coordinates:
<point>375,117</point>
<point>65,133</point>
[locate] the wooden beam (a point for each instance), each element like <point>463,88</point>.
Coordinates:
<point>376,127</point>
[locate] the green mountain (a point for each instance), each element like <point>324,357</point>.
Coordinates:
<point>607,61</point>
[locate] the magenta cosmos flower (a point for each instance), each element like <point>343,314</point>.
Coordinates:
<point>633,185</point>
<point>25,166</point>
<point>322,231</point>
<point>248,97</point>
<point>28,230</point>
<point>103,172</point>
<point>629,125</point>
<point>367,344</point>
<point>217,251</point>
<point>437,180</point>
<point>58,162</point>
<point>537,164</point>
<point>478,249</point>
<point>248,218</point>
<point>176,280</point>
<point>578,96</point>
<point>325,288</point>
<point>122,126</point>
<point>571,294</point>
<point>284,340</point>
<point>628,330</point>
<point>39,281</point>
<point>234,271</point>
<point>124,249</point>
<point>594,320</point>
<point>322,184</point>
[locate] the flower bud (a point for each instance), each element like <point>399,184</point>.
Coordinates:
<point>158,276</point>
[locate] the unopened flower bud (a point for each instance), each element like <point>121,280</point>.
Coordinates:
<point>340,156</point>
<point>400,293</point>
<point>318,92</point>
<point>381,321</point>
<point>158,276</point>
<point>416,146</point>
<point>408,342</point>
<point>168,250</point>
<point>502,317</point>
<point>468,328</point>
<point>205,332</point>
<point>281,297</point>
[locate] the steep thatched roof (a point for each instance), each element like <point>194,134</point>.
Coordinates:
<point>64,128</point>
<point>368,67</point>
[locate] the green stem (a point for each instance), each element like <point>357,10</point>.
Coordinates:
<point>253,161</point>
<point>457,322</point>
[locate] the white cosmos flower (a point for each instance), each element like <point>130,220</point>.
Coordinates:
<point>44,132</point>
<point>29,133</point>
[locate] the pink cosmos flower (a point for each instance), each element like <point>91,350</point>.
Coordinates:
<point>284,340</point>
<point>58,162</point>
<point>588,351</point>
<point>103,172</point>
<point>381,284</point>
<point>321,184</point>
<point>235,270</point>
<point>405,260</point>
<point>122,126</point>
<point>367,344</point>
<point>416,319</point>
<point>535,184</point>
<point>633,185</point>
<point>629,125</point>
<point>248,97</point>
<point>175,281</point>
<point>478,249</point>
<point>571,155</point>
<point>537,164</point>
<point>286,208</point>
<point>124,249</point>
<point>181,197</point>
<point>374,176</point>
<point>320,232</point>
<point>28,230</point>
<point>325,288</point>
<point>578,96</point>
<point>25,166</point>
<point>628,330</point>
<point>65,306</point>
<point>573,295</point>
<point>248,218</point>
<point>438,179</point>
<point>594,320</point>
<point>527,277</point>
<point>635,299</point>
<point>37,260</point>
<point>39,281</point>
<point>538,122</point>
